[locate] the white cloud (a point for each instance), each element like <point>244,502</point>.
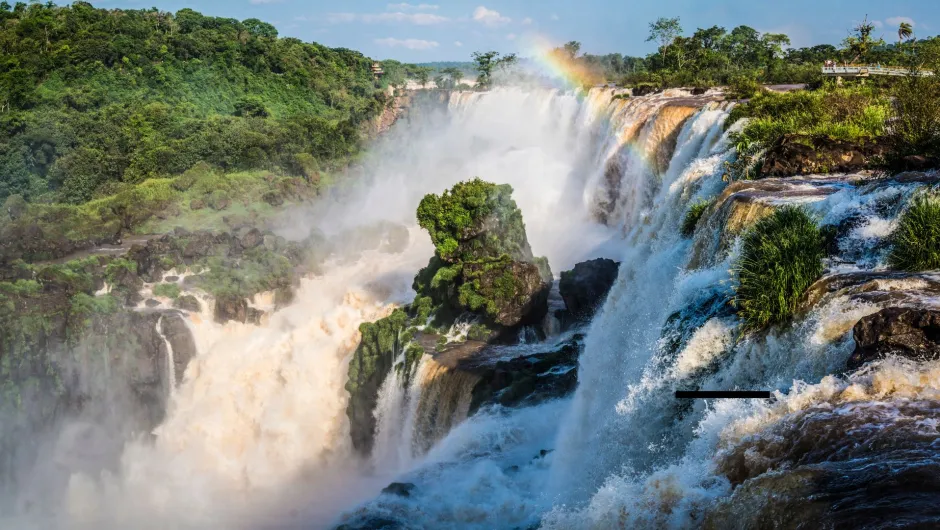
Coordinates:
<point>457,43</point>
<point>489,17</point>
<point>554,16</point>
<point>511,36</point>
<point>420,19</point>
<point>526,21</point>
<point>896,21</point>
<point>411,44</point>
<point>415,7</point>
<point>878,24</point>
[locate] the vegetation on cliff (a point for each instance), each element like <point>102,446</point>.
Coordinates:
<point>692,217</point>
<point>483,262</point>
<point>890,123</point>
<point>917,238</point>
<point>474,220</point>
<point>781,257</point>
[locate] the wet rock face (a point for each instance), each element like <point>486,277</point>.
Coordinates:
<point>835,467</point>
<point>229,307</point>
<point>530,379</point>
<point>799,155</point>
<point>909,332</point>
<point>176,331</point>
<point>585,287</point>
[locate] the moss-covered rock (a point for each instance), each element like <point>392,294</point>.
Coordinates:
<point>482,266</point>
<point>382,341</point>
<point>508,293</point>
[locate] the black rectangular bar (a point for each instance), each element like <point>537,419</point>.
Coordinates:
<point>719,394</point>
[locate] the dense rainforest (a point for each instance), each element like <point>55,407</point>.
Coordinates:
<point>92,99</point>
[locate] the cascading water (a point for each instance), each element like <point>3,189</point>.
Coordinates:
<point>259,421</point>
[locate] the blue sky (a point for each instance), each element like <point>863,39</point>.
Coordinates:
<point>436,30</point>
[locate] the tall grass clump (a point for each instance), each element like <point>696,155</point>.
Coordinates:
<point>781,257</point>
<point>692,217</point>
<point>917,239</point>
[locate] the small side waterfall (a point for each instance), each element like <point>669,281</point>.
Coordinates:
<point>170,361</point>
<point>443,402</point>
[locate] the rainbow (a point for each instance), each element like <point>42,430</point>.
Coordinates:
<point>540,50</point>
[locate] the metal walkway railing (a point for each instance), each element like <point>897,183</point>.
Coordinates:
<point>867,70</point>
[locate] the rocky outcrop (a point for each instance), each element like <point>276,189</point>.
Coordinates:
<point>402,489</point>
<point>804,155</point>
<point>483,263</point>
<point>483,270</point>
<point>234,307</point>
<point>585,287</point>
<point>908,332</point>
<point>529,379</point>
<point>743,203</point>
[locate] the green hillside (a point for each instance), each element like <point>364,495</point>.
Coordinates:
<point>93,100</point>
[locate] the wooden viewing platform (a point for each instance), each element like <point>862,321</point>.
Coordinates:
<point>857,70</point>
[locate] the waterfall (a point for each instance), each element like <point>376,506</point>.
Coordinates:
<point>258,435</point>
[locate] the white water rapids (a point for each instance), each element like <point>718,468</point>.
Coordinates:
<point>257,436</point>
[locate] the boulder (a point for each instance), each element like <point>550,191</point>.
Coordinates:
<point>273,198</point>
<point>585,287</point>
<point>187,302</point>
<point>644,90</point>
<point>919,163</point>
<point>802,155</point>
<point>230,307</point>
<point>526,380</point>
<point>249,238</point>
<point>909,332</point>
<point>402,489</point>
<point>197,204</point>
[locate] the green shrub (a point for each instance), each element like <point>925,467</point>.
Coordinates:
<point>781,257</point>
<point>473,220</point>
<point>743,88</point>
<point>855,114</point>
<point>917,239</point>
<point>692,217</point>
<point>915,129</point>
<point>169,290</point>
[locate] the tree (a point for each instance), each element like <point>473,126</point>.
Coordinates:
<point>572,48</point>
<point>773,48</point>
<point>487,62</point>
<point>664,31</point>
<point>250,107</point>
<point>259,28</point>
<point>454,73</point>
<point>860,43</point>
<point>423,75</point>
<point>905,31</point>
